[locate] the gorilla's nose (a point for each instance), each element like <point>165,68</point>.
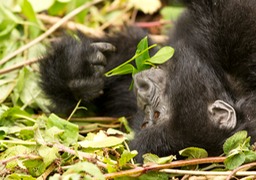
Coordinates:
<point>147,84</point>
<point>143,85</point>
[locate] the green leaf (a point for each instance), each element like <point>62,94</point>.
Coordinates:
<point>193,153</point>
<point>16,176</point>
<point>70,130</point>
<point>6,26</point>
<point>28,91</point>
<point>250,156</point>
<point>167,159</point>
<point>64,1</point>
<point>126,157</point>
<point>140,60</point>
<point>30,14</point>
<point>5,13</point>
<point>89,168</point>
<point>234,161</point>
<point>26,134</point>
<point>125,123</point>
<point>14,151</point>
<point>39,6</point>
<point>171,12</point>
<point>152,158</point>
<point>28,11</point>
<point>101,140</point>
<point>130,69</point>
<point>234,141</point>
<point>152,175</point>
<point>48,154</point>
<point>126,69</point>
<point>57,9</point>
<point>35,167</point>
<point>163,55</point>
<point>12,114</point>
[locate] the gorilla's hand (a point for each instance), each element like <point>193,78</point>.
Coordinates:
<point>89,84</point>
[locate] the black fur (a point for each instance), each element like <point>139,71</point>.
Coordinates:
<point>215,58</point>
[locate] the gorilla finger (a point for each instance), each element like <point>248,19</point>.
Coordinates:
<point>99,71</point>
<point>103,46</point>
<point>98,59</point>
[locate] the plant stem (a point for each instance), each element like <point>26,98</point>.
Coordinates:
<point>207,173</point>
<point>141,170</point>
<point>108,74</point>
<point>18,142</point>
<point>235,171</point>
<point>73,112</point>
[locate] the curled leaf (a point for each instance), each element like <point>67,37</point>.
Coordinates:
<point>193,153</point>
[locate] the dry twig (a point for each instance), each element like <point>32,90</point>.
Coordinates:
<point>71,25</point>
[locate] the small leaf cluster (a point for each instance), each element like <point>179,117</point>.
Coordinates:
<point>142,59</point>
<point>238,150</point>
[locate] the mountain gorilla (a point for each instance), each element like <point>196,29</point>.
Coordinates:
<point>200,97</point>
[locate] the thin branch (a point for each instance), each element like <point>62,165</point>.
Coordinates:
<point>88,156</point>
<point>50,30</point>
<point>18,66</point>
<point>152,24</point>
<point>5,161</point>
<point>74,110</point>
<point>207,173</point>
<point>71,25</point>
<point>140,170</point>
<point>94,119</point>
<point>235,171</point>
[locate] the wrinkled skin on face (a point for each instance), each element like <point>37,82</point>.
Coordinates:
<point>150,89</point>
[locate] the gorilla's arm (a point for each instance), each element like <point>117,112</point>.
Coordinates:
<point>74,67</point>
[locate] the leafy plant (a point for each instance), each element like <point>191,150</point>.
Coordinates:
<point>32,146</point>
<point>238,150</point>
<point>142,59</point>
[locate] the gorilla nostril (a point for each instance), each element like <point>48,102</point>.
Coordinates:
<point>144,125</point>
<point>156,115</point>
<point>143,85</point>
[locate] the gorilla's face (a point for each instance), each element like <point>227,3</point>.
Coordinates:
<point>154,98</point>
<point>150,89</point>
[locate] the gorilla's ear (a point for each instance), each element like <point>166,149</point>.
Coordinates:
<point>222,115</point>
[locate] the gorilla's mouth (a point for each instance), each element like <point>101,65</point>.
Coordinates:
<point>150,88</point>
